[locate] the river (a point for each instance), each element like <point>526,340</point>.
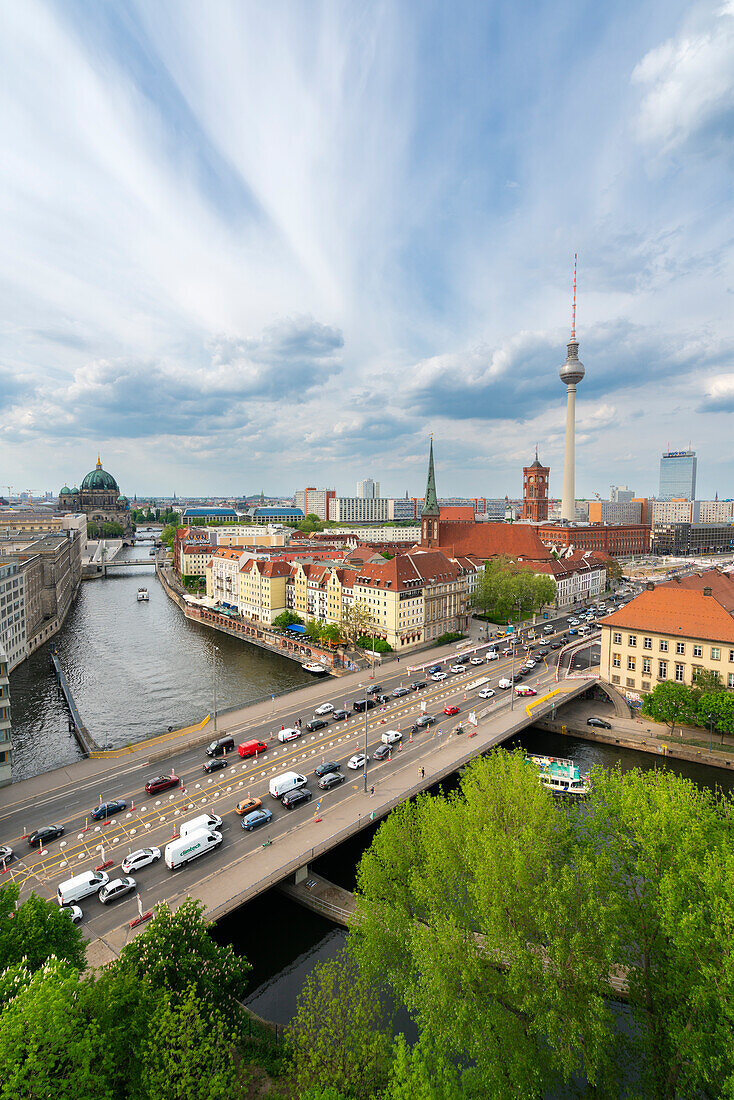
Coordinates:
<point>135,669</point>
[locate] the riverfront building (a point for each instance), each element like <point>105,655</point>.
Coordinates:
<point>12,614</point>
<point>100,500</point>
<point>6,749</point>
<point>671,631</point>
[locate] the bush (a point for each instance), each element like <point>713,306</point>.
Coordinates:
<point>450,636</point>
<point>381,646</point>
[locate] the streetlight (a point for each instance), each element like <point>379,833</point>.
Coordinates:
<point>712,719</point>
<point>215,651</point>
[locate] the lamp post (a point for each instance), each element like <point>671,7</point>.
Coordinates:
<point>215,651</point>
<point>711,730</point>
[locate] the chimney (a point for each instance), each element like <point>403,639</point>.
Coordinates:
<point>707,591</point>
<point>650,586</point>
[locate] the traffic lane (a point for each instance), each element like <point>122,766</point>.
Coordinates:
<point>64,807</point>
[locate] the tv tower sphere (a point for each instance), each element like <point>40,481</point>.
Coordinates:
<point>572,370</point>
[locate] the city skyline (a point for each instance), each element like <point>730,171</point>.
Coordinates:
<point>242,242</point>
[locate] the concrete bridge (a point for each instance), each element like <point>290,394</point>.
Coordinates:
<point>247,864</point>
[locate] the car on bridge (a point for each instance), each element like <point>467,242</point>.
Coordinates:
<point>214,765</point>
<point>451,710</point>
<point>108,809</point>
<point>256,819</point>
<point>400,691</point>
<point>326,767</point>
<point>357,761</point>
<point>486,693</point>
<point>341,715</point>
<point>325,708</point>
<point>247,805</point>
<point>476,660</point>
<point>391,737</point>
<point>161,783</point>
<point>316,724</point>
<point>6,853</point>
<point>296,797</point>
<point>142,858</point>
<point>423,722</point>
<point>359,705</point>
<point>331,779</point>
<point>290,734</point>
<point>115,889</point>
<point>417,685</point>
<point>44,834</point>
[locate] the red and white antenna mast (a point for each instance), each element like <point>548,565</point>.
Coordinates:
<point>573,315</point>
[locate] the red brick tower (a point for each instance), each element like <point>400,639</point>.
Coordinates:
<point>535,491</point>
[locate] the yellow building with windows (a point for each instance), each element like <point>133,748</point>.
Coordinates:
<point>262,595</point>
<point>670,632</point>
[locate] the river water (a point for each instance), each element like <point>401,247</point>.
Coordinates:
<point>135,669</point>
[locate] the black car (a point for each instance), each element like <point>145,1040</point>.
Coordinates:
<point>331,779</point>
<point>108,809</point>
<point>542,653</point>
<point>373,689</point>
<point>215,765</point>
<point>556,645</point>
<point>315,724</point>
<point>599,723</point>
<point>44,834</point>
<point>381,752</point>
<point>418,685</point>
<point>423,722</point>
<point>340,715</point>
<point>295,798</point>
<point>379,699</point>
<point>519,675</point>
<point>359,705</point>
<point>463,660</point>
<point>324,769</point>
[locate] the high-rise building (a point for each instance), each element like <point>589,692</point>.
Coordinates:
<point>535,491</point>
<point>315,501</point>
<point>678,475</point>
<point>572,372</point>
<point>5,743</point>
<point>368,489</point>
<point>621,494</point>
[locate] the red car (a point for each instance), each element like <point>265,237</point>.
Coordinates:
<point>161,783</point>
<point>451,710</point>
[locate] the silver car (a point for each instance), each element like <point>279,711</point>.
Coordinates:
<point>116,889</point>
<point>142,858</point>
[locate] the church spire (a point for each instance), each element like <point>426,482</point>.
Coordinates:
<point>430,504</point>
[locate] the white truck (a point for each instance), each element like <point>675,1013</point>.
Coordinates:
<point>283,784</point>
<point>186,848</point>
<point>81,886</point>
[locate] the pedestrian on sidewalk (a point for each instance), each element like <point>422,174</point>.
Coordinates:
<point>423,773</point>
<point>372,790</point>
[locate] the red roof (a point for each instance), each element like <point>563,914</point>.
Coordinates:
<point>491,540</point>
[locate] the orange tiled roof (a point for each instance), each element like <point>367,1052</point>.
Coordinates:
<point>677,612</point>
<point>490,540</point>
<point>721,585</point>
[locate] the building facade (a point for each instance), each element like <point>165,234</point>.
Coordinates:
<point>675,511</point>
<point>617,540</point>
<point>12,614</point>
<point>359,509</point>
<point>315,501</point>
<point>368,489</point>
<point>209,514</point>
<point>6,747</point>
<point>615,511</point>
<point>678,475</point>
<point>100,500</point>
<point>535,491</point>
<point>621,494</point>
<point>681,539</point>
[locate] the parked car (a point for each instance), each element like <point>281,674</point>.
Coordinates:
<point>391,737</point>
<point>325,708</point>
<point>142,858</point>
<point>486,693</point>
<point>599,723</point>
<point>341,715</point>
<point>451,710</point>
<point>423,722</point>
<point>400,691</point>
<point>295,798</point>
<point>439,676</point>
<point>247,805</point>
<point>418,685</point>
<point>315,724</point>
<point>476,660</point>
<point>115,889</point>
<point>357,761</point>
<point>44,834</point>
<point>215,765</point>
<point>324,769</point>
<point>256,818</point>
<point>161,783</point>
<point>290,733</point>
<point>331,779</point>
<point>108,809</point>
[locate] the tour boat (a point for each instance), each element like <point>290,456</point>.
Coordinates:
<point>560,776</point>
<point>317,670</point>
<point>143,594</point>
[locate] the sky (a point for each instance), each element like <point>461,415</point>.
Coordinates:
<point>257,245</point>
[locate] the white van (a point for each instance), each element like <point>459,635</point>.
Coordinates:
<point>288,781</point>
<point>197,824</point>
<point>81,886</point>
<point>182,851</point>
<point>584,630</point>
<point>504,683</point>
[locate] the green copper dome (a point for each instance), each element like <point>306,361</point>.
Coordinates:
<point>65,490</point>
<point>99,480</point>
<point>74,490</point>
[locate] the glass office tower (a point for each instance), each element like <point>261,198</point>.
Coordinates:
<point>678,476</point>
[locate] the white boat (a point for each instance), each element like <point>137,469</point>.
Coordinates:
<point>317,670</point>
<point>143,595</point>
<point>560,776</point>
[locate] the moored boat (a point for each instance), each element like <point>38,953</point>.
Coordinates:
<point>562,777</point>
<point>315,669</point>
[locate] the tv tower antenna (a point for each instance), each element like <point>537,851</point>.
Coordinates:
<point>573,315</point>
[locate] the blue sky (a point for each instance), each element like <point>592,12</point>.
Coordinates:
<point>257,245</point>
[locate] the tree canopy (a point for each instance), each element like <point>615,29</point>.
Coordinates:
<point>505,590</point>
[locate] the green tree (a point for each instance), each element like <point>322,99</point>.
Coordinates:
<point>506,590</point>
<point>331,634</point>
<point>337,1036</point>
<point>176,951</point>
<point>47,1047</point>
<point>670,703</point>
<point>719,706</point>
<point>286,619</point>
<point>189,1053</point>
<point>614,572</point>
<point>36,931</point>
<point>357,619</point>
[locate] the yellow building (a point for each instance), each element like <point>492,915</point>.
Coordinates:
<point>263,589</point>
<point>670,632</point>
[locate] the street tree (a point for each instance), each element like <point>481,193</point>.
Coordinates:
<point>286,619</point>
<point>716,708</point>
<point>36,931</point>
<point>357,619</point>
<point>670,703</point>
<point>505,589</point>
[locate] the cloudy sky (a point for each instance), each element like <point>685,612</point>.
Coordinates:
<point>257,244</point>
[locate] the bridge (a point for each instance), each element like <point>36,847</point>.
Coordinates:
<point>247,864</point>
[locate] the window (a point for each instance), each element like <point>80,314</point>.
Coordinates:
<point>679,670</point>
<point>715,653</point>
<point>663,645</point>
<point>680,648</point>
<point>698,651</point>
<point>662,670</point>
<point>632,639</point>
<point>631,663</point>
<point>647,666</point>
<point>616,660</point>
<point>617,639</point>
<point>615,679</point>
<point>731,680</point>
<point>630,681</point>
<point>645,685</point>
<point>647,643</point>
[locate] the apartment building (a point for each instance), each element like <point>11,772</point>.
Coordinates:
<point>12,615</point>
<point>615,511</point>
<point>580,575</point>
<point>223,576</point>
<point>6,748</point>
<point>315,501</point>
<point>262,589</point>
<point>670,632</point>
<point>354,535</point>
<point>676,511</point>
<point>359,509</point>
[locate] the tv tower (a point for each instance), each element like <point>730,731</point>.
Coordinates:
<point>572,373</point>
